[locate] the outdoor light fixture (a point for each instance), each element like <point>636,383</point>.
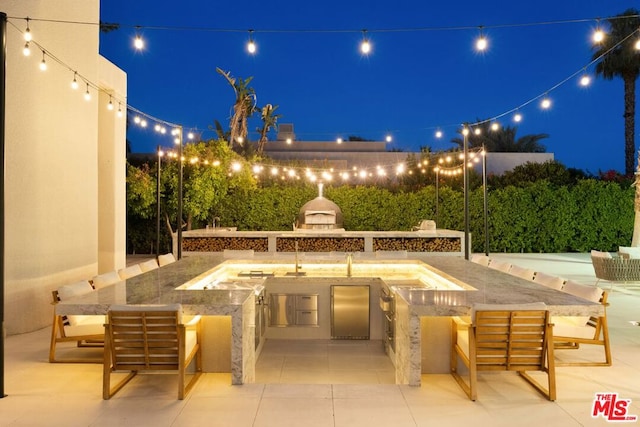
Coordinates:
<point>74,83</point>
<point>365,45</point>
<point>87,94</point>
<point>438,134</point>
<point>43,63</point>
<point>481,42</point>
<point>119,109</point>
<point>545,103</point>
<point>138,43</point>
<point>637,46</point>
<point>598,34</point>
<point>26,51</point>
<point>27,33</point>
<point>477,131</point>
<point>110,104</point>
<point>495,126</point>
<point>251,45</point>
<point>585,80</point>
<point>339,140</point>
<point>517,117</point>
<point>388,138</point>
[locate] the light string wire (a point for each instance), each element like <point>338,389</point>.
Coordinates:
<point>174,125</point>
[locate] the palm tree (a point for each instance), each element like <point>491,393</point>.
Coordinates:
<point>243,107</point>
<point>502,140</point>
<point>269,120</point>
<point>617,57</point>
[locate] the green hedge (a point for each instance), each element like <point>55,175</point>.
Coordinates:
<point>539,217</point>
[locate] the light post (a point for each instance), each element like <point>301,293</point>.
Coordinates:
<point>486,201</point>
<point>160,154</point>
<point>465,175</point>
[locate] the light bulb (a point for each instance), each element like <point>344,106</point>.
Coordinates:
<point>251,45</point>
<point>438,134</point>
<point>339,140</point>
<point>477,131</point>
<point>138,43</point>
<point>119,109</point>
<point>388,138</point>
<point>365,45</point>
<point>495,126</point>
<point>482,43</point>
<point>465,131</point>
<point>585,80</point>
<point>517,117</point>
<point>136,120</point>
<point>143,123</point>
<point>43,63</point>
<point>598,36</point>
<point>190,135</point>
<point>87,95</point>
<point>26,51</point>
<point>637,44</point>
<point>110,105</point>
<point>74,83</point>
<point>546,103</point>
<point>27,33</point>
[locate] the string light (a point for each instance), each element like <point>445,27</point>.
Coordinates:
<point>87,95</point>
<point>339,140</point>
<point>138,43</point>
<point>110,104</point>
<point>545,103</point>
<point>495,126</point>
<point>119,109</point>
<point>43,63</point>
<point>585,80</point>
<point>481,42</point>
<point>26,51</point>
<point>637,45</point>
<point>251,45</point>
<point>388,138</point>
<point>74,82</point>
<point>598,34</point>
<point>438,134</point>
<point>517,117</point>
<point>27,33</point>
<point>365,45</point>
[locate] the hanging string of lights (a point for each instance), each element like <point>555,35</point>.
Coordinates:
<point>443,165</point>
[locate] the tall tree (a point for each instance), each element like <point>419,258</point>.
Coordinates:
<point>617,57</point>
<point>503,140</point>
<point>243,107</point>
<point>269,120</point>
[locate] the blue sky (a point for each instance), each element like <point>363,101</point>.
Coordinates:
<point>411,84</point>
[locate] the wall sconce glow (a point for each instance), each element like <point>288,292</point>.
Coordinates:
<point>251,45</point>
<point>236,166</point>
<point>27,33</point>
<point>138,43</point>
<point>43,63</point>
<point>26,51</point>
<point>438,134</point>
<point>87,95</point>
<point>517,117</point>
<point>545,103</point>
<point>365,45</point>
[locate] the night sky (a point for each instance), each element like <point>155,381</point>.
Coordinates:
<point>422,75</point>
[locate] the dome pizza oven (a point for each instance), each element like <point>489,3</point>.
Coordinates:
<point>320,214</point>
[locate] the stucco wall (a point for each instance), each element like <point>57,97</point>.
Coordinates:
<point>52,176</point>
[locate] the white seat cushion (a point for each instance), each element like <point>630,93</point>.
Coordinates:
<point>148,265</point>
<point>629,252</point>
<point>572,326</point>
<point>93,325</point>
<point>72,290</point>
<point>106,279</point>
<point>131,271</point>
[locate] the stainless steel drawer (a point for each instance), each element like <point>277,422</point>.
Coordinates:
<point>306,302</point>
<point>307,317</point>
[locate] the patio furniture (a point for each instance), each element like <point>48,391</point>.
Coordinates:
<point>616,269</point>
<point>500,265</point>
<point>128,272</point>
<point>166,259</point>
<point>105,279</point>
<point>553,282</point>
<point>571,331</point>
<point>523,273</point>
<point>481,259</point>
<point>505,337</point>
<point>148,265</point>
<point>85,331</point>
<point>150,338</point>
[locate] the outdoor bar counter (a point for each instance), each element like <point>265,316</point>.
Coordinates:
<point>413,306</point>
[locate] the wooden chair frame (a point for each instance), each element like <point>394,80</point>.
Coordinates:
<point>148,340</point>
<point>600,337</point>
<point>506,340</point>
<point>58,335</point>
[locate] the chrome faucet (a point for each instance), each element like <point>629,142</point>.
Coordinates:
<point>349,263</point>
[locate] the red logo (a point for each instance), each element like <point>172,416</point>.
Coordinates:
<point>612,408</point>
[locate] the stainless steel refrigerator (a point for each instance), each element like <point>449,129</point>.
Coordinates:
<point>350,312</point>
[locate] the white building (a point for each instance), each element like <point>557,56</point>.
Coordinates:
<point>65,159</point>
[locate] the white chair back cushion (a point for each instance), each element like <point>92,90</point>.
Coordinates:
<point>106,279</point>
<point>629,252</point>
<point>131,271</point>
<point>600,254</point>
<point>500,265</point>
<point>166,259</point>
<point>591,293</point>
<point>553,282</point>
<point>148,265</point>
<point>524,273</point>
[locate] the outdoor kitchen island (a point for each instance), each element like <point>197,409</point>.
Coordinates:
<point>185,281</point>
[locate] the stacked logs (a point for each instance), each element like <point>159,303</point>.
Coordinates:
<point>436,244</point>
<point>219,244</point>
<point>320,244</point>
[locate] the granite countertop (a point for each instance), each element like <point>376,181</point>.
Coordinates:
<point>492,287</point>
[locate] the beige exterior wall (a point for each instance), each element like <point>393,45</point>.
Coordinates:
<point>54,168</point>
